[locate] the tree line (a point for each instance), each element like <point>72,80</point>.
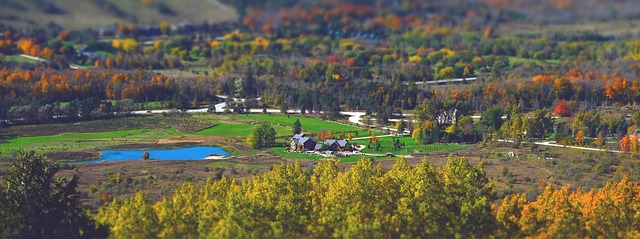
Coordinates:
<point>367,201</point>
<point>455,200</point>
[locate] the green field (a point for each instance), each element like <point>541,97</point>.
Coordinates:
<point>308,124</point>
<point>17,58</point>
<point>82,141</point>
<point>238,130</point>
<point>410,146</point>
<point>242,125</point>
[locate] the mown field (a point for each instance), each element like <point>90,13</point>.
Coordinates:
<point>238,130</point>
<point>308,124</point>
<point>408,146</point>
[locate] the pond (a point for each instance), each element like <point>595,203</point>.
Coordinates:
<point>187,153</point>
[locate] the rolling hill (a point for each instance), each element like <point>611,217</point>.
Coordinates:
<point>80,14</point>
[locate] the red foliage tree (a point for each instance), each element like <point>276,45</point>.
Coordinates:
<point>333,59</point>
<point>562,109</point>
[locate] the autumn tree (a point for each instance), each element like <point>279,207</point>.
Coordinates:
<point>633,143</point>
<point>563,212</point>
<point>422,201</point>
<point>127,44</point>
<point>599,142</point>
<point>446,73</point>
<point>562,109</point>
<point>145,155</point>
<point>580,137</point>
<point>134,216</point>
<point>624,144</point>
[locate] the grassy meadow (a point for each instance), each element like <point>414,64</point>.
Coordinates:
<point>410,146</point>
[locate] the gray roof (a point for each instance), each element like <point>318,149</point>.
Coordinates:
<point>342,143</point>
<point>329,141</point>
<point>305,139</point>
<point>301,139</point>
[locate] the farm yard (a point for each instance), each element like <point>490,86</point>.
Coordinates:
<point>91,136</point>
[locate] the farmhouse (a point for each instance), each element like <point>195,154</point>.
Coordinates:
<point>336,144</point>
<point>301,142</point>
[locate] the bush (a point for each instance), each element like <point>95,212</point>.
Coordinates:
<point>93,188</point>
<point>504,171</point>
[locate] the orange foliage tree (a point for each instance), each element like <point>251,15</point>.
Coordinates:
<point>580,137</point>
<point>624,144</point>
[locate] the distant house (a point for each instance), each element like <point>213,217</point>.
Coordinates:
<point>448,117</point>
<point>336,144</point>
<point>301,142</point>
<point>107,31</point>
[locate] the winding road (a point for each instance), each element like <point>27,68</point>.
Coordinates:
<point>552,144</point>
<point>353,116</point>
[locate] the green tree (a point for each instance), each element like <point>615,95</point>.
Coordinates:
<point>467,196</point>
<point>538,124</point>
<point>492,118</point>
<point>297,127</point>
<point>264,136</point>
<point>36,205</point>
<point>400,126</point>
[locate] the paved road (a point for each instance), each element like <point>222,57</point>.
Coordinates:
<point>35,58</point>
<point>443,81</point>
<point>548,143</point>
<point>353,116</point>
<point>552,144</point>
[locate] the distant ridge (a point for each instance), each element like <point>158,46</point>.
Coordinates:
<point>80,14</point>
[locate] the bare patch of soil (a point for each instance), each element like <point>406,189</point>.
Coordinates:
<point>72,155</point>
<point>134,122</point>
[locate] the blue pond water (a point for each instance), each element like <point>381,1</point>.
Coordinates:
<point>188,153</point>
